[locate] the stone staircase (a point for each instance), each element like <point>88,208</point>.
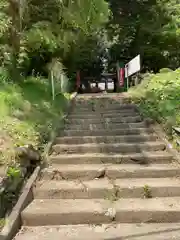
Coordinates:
<point>110,178</point>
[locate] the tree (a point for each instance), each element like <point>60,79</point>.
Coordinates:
<point>44,30</point>
<point>145,27</point>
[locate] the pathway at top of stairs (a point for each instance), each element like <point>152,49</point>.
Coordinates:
<point>110,177</point>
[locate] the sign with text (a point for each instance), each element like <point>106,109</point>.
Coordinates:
<point>133,66</point>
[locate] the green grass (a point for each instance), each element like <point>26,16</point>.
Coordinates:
<point>27,114</point>
<point>158,97</point>
<point>2,223</point>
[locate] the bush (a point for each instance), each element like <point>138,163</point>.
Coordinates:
<point>158,97</point>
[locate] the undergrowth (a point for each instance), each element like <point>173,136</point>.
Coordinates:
<point>28,113</point>
<point>158,97</point>
<point>2,223</point>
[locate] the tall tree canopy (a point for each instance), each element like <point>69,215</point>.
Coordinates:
<point>34,33</point>
<point>151,28</point>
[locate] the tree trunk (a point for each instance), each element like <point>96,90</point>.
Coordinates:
<point>14,39</point>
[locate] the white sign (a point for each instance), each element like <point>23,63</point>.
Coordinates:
<point>133,66</point>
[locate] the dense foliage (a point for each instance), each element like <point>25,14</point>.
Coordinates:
<point>151,28</point>
<point>35,33</point>
<point>159,98</point>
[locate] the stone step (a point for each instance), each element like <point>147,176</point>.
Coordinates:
<point>107,132</point>
<point>145,157</point>
<point>56,212</point>
<point>108,189</point>
<point>106,139</point>
<point>108,148</point>
<point>102,106</point>
<point>104,126</point>
<point>109,110</point>
<point>151,210</point>
<point>155,170</point>
<point>101,102</point>
<point>124,119</point>
<point>85,99</point>
<point>97,211</point>
<point>110,171</point>
<point>98,115</point>
<point>123,231</point>
<point>103,96</point>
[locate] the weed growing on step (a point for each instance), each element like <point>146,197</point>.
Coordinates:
<point>147,192</point>
<point>113,196</point>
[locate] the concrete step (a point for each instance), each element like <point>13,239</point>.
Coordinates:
<point>101,102</point>
<point>56,212</point>
<point>151,210</point>
<point>98,211</point>
<point>109,110</point>
<point>98,115</point>
<point>108,148</point>
<point>124,119</point>
<point>105,126</point>
<point>106,139</point>
<point>143,231</point>
<point>110,171</point>
<point>145,157</point>
<point>103,106</point>
<point>94,189</point>
<point>155,170</point>
<point>108,189</point>
<point>107,132</point>
<point>115,97</point>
